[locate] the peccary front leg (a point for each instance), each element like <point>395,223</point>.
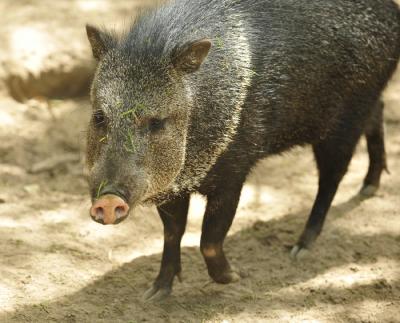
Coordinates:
<point>332,158</point>
<point>220,211</point>
<point>173,215</point>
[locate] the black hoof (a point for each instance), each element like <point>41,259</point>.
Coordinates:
<point>368,190</point>
<point>298,252</point>
<point>156,294</point>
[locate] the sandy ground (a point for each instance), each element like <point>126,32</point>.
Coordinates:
<point>57,265</point>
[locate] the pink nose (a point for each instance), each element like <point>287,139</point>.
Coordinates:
<point>109,209</point>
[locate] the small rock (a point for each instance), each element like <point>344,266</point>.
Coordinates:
<point>32,189</point>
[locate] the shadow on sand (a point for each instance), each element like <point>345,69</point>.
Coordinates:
<point>260,251</point>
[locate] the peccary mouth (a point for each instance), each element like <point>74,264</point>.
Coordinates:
<point>117,221</point>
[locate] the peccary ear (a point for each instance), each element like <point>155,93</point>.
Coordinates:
<point>100,41</point>
<point>189,58</point>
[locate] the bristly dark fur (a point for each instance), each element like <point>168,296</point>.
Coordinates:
<point>280,73</point>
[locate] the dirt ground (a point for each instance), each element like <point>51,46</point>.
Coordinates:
<point>57,265</point>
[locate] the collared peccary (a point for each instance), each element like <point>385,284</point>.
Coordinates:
<point>196,92</point>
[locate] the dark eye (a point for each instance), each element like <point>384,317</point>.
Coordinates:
<point>156,124</point>
<point>98,118</point>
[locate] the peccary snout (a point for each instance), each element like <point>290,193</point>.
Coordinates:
<point>109,209</point>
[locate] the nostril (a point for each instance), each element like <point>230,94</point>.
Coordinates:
<point>97,213</point>
<point>121,211</point>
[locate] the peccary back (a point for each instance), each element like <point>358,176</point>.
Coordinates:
<point>279,74</point>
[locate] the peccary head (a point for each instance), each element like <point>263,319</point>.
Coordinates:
<point>137,133</point>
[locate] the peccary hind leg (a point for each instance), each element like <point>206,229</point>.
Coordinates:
<point>332,157</point>
<point>220,211</point>
<point>376,151</point>
<point>173,215</point>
